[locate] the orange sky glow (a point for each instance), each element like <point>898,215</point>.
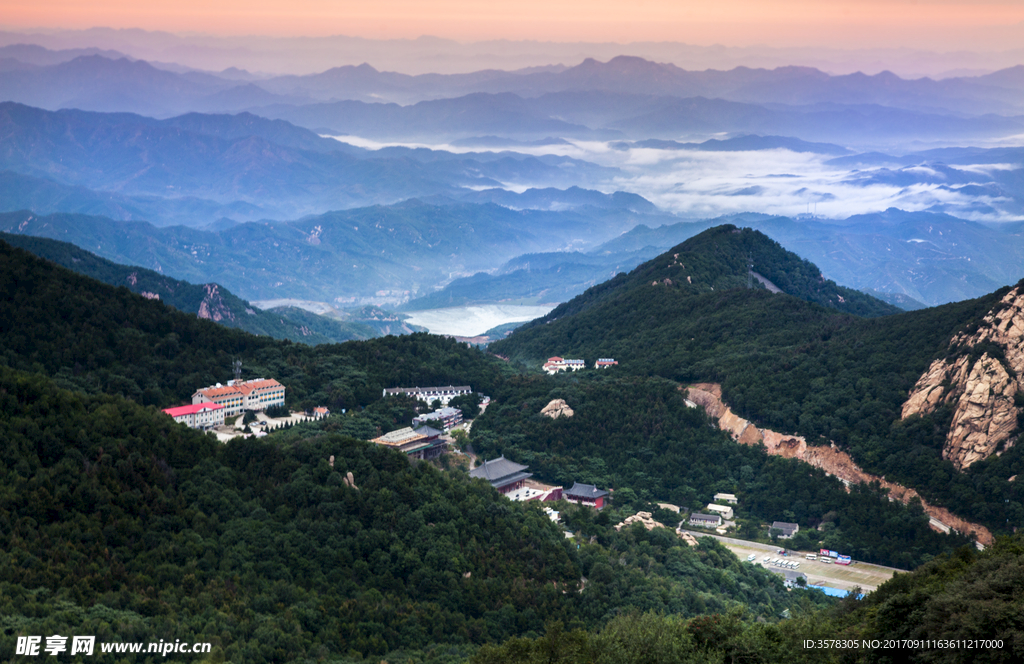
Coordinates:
<point>842,23</point>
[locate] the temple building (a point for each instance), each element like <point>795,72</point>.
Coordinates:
<point>423,443</point>
<point>585,494</point>
<point>504,475</point>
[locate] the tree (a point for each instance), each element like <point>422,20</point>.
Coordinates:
<point>469,404</point>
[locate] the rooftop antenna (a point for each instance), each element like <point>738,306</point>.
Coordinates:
<point>238,370</point>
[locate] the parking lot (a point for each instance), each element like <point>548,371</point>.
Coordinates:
<point>846,577</point>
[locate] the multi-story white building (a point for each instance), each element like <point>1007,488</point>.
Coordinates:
<point>431,394</point>
<point>238,396</point>
<point>556,364</point>
<point>198,416</point>
<point>442,418</point>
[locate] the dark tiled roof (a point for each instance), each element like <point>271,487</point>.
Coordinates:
<point>585,491</point>
<point>429,432</point>
<point>446,388</point>
<point>787,528</point>
<point>500,472</point>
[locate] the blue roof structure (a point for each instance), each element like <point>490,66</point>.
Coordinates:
<point>835,592</point>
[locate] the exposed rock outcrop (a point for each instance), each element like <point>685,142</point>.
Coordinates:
<point>980,389</point>
<point>557,408</point>
<point>833,461</point>
<point>212,307</point>
<point>644,518</point>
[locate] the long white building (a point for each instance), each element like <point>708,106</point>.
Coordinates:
<point>431,394</point>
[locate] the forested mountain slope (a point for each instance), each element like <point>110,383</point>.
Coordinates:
<point>97,338</point>
<point>637,436</point>
<point>784,363</point>
<point>209,301</point>
<point>961,607</point>
<point>115,521</point>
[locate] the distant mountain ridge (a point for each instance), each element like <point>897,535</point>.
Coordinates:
<point>94,78</point>
<point>401,249</point>
<point>261,168</point>
<point>209,301</point>
<point>929,257</point>
<point>797,101</point>
<point>604,115</point>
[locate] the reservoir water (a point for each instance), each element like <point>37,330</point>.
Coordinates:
<point>474,320</point>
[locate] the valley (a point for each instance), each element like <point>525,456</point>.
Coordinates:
<point>475,320</point>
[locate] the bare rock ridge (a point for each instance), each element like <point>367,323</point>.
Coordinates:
<point>833,461</point>
<point>980,389</point>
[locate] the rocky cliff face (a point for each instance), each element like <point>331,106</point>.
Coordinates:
<point>981,389</point>
<point>833,461</point>
<point>213,307</point>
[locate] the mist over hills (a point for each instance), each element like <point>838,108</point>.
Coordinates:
<point>406,248</point>
<point>612,144</point>
<point>240,166</point>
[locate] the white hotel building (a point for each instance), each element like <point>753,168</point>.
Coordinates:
<point>239,396</point>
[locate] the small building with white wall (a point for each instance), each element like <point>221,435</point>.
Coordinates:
<point>198,416</point>
<point>724,510</point>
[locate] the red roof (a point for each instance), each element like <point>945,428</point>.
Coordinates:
<point>214,392</point>
<point>554,359</point>
<point>192,409</point>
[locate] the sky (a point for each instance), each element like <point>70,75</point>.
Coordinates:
<point>940,25</point>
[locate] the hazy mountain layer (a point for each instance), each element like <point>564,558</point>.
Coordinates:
<point>599,114</point>
<point>94,82</point>
<point>213,164</point>
<point>393,251</point>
